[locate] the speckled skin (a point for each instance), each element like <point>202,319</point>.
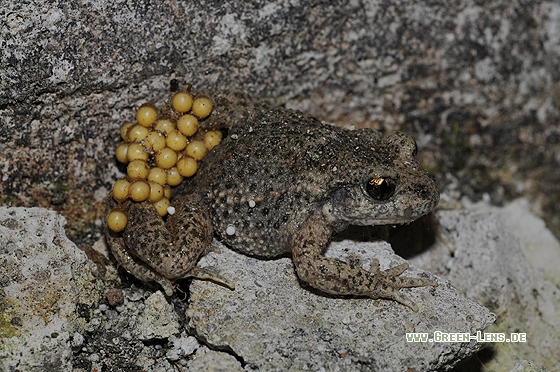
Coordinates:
<point>282,182</point>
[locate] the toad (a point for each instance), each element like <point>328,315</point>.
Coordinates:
<point>282,183</point>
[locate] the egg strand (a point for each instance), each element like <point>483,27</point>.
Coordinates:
<point>160,153</point>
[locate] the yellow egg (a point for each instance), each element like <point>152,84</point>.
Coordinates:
<point>176,140</point>
<point>212,139</point>
<point>187,166</point>
<point>187,124</point>
<point>154,141</point>
<point>162,205</point>
<point>121,152</point>
<point>158,175</point>
<point>166,158</point>
<point>167,191</point>
<point>173,177</point>
<point>136,152</point>
<point>124,129</point>
<point>137,169</point>
<point>182,101</point>
<point>120,190</point>
<point>202,107</point>
<point>139,190</point>
<point>136,133</point>
<point>147,114</point>
<point>156,192</point>
<point>164,126</point>
<point>196,150</point>
<point>117,220</point>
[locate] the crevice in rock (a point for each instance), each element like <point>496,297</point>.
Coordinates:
<point>222,348</point>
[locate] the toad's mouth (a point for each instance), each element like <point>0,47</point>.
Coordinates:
<point>385,221</point>
<point>390,213</point>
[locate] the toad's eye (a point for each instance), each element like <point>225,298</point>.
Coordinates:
<point>381,188</point>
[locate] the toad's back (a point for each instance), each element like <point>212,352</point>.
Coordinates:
<point>274,167</point>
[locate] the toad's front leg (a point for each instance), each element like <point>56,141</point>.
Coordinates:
<point>154,250</point>
<point>308,242</point>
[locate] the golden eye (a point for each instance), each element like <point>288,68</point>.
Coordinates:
<point>381,188</point>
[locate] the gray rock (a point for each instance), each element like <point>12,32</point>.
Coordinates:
<point>48,287</point>
<point>158,319</point>
<point>526,366</point>
<point>213,361</point>
<point>115,336</point>
<point>540,247</point>
<point>272,323</point>
<point>490,266</point>
<point>472,81</point>
<point>182,345</point>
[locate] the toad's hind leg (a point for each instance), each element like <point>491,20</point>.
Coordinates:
<point>163,251</point>
<point>333,276</point>
<point>119,251</point>
<point>205,274</point>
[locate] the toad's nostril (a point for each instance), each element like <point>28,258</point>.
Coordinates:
<point>423,191</point>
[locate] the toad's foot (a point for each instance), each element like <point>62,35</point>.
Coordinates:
<point>388,282</point>
<point>333,276</point>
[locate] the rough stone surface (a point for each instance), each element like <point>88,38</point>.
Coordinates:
<point>490,266</point>
<point>272,323</point>
<point>477,83</point>
<point>540,247</point>
<point>214,361</point>
<point>47,289</point>
<point>526,366</point>
<point>135,337</point>
<point>158,319</point>
<point>270,312</point>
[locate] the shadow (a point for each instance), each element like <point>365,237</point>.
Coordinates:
<point>406,240</point>
<point>410,240</point>
<point>476,362</point>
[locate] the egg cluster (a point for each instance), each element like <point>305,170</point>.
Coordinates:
<point>160,151</point>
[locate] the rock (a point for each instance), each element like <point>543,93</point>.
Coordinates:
<point>48,286</point>
<point>114,339</point>
<point>472,82</point>
<point>489,265</point>
<point>526,366</point>
<point>53,318</point>
<point>271,322</point>
<point>181,346</point>
<point>540,247</point>
<point>214,361</point>
<point>158,320</point>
